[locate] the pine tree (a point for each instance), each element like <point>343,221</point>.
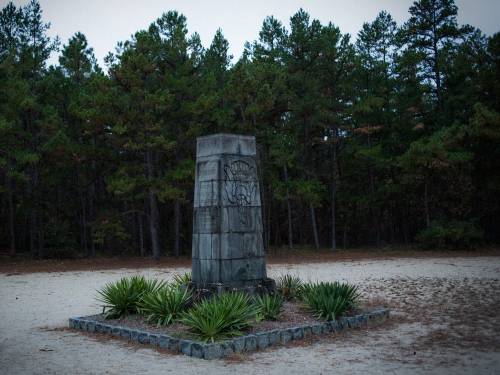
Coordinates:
<point>432,32</point>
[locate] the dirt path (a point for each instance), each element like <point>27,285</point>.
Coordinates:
<point>445,320</point>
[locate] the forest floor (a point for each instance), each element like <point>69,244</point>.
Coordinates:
<point>444,319</point>
<point>24,264</point>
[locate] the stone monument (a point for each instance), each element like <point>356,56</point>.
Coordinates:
<point>228,249</point>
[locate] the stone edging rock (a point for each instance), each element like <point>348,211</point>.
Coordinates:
<point>240,344</point>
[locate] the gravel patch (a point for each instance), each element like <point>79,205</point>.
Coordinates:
<point>444,319</point>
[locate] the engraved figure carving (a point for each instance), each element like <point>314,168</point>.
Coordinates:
<point>240,187</point>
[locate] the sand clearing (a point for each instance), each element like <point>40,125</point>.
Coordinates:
<point>445,320</point>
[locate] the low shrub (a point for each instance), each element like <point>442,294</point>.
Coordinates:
<point>183,279</point>
<point>450,235</point>
<point>269,306</point>
<point>330,300</point>
<point>221,316</point>
<point>164,305</point>
<point>289,286</point>
<point>123,296</point>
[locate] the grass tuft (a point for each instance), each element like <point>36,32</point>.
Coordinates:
<point>269,306</point>
<point>290,287</point>
<point>164,305</point>
<point>221,316</point>
<point>123,296</point>
<point>330,300</point>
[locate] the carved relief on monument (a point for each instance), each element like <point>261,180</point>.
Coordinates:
<point>241,188</point>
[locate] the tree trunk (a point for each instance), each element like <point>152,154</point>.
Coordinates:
<point>426,205</point>
<point>33,217</point>
<point>436,68</point>
<point>141,235</point>
<point>334,227</point>
<point>12,225</point>
<point>268,227</point>
<point>153,223</point>
<point>314,226</point>
<point>344,238</point>
<point>334,191</point>
<point>177,225</point>
<point>373,213</point>
<point>277,234</point>
<point>153,208</point>
<point>91,253</point>
<point>83,223</point>
<point>289,210</point>
<point>41,252</point>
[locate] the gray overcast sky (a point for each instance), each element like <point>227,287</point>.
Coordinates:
<point>105,22</point>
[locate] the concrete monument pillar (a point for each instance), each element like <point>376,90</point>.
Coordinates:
<point>228,249</point>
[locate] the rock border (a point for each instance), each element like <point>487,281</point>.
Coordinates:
<point>247,343</point>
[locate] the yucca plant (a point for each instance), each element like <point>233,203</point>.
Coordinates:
<point>290,286</point>
<point>183,279</point>
<point>122,297</point>
<point>269,306</point>
<point>164,305</point>
<point>147,285</point>
<point>330,300</point>
<point>221,316</point>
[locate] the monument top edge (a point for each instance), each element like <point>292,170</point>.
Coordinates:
<point>226,135</point>
<point>225,143</point>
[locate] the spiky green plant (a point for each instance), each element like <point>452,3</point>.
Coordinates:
<point>164,305</point>
<point>123,296</point>
<point>147,285</point>
<point>220,317</point>
<point>330,300</point>
<point>181,279</point>
<point>290,286</point>
<point>269,306</point>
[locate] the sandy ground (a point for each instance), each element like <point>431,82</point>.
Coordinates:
<point>445,321</point>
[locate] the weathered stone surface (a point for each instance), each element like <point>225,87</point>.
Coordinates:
<point>174,344</point>
<point>185,346</point>
<point>238,344</point>
<point>250,343</point>
<point>336,326</point>
<point>227,348</point>
<point>197,350</point>
<point>317,329</point>
<point>106,329</point>
<point>342,323</point>
<point>153,339</point>
<point>115,331</point>
<point>213,351</point>
<point>297,333</point>
<point>328,327</point>
<point>125,333</point>
<point>307,331</point>
<point>286,335</point>
<point>90,326</point>
<point>231,144</point>
<point>164,341</point>
<point>227,224</point>
<point>274,337</point>
<point>262,340</point>
<point>134,335</point>
<point>143,337</point>
<point>209,271</point>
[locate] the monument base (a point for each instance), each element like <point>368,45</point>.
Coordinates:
<point>265,286</point>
